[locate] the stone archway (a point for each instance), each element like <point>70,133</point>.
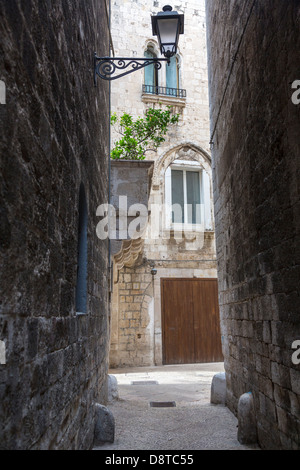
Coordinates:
<point>184,151</point>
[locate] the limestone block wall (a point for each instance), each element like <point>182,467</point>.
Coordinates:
<point>54,136</point>
<point>256,192</point>
<point>134,333</point>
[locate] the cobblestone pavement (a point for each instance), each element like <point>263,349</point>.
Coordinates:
<point>193,424</point>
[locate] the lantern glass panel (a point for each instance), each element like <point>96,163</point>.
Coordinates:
<point>168,29</point>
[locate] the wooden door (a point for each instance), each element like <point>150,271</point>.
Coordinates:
<point>190,321</point>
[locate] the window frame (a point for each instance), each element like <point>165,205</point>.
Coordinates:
<point>185,167</point>
<point>160,92</point>
<point>150,50</point>
<point>176,67</point>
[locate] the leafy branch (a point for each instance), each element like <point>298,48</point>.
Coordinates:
<point>143,134</point>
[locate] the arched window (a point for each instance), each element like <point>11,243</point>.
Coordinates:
<point>172,76</point>
<point>151,75</point>
<point>81,286</point>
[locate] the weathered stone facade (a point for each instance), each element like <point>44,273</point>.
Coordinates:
<point>136,306</point>
<point>54,138</point>
<point>253,61</point>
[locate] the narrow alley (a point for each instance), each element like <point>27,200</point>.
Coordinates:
<point>149,227</point>
<point>192,424</point>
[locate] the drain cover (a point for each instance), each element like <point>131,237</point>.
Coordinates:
<point>162,404</point>
<point>145,382</point>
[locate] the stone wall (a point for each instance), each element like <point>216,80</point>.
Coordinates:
<point>256,190</point>
<point>130,183</point>
<point>134,333</point>
<point>54,136</point>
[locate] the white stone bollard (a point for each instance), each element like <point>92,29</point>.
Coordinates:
<point>247,432</point>
<point>104,426</point>
<point>112,388</point>
<point>218,389</point>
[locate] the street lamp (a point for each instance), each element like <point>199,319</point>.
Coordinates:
<point>167,26</point>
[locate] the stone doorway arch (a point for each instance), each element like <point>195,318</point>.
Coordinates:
<point>185,151</point>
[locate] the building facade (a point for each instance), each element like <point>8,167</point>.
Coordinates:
<point>176,251</point>
<point>54,322</point>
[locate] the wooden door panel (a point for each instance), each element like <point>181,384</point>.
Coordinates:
<point>178,323</point>
<point>207,339</point>
<point>190,321</point>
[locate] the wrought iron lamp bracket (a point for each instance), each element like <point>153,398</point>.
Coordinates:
<point>110,68</point>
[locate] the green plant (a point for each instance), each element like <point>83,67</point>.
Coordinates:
<point>143,134</point>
